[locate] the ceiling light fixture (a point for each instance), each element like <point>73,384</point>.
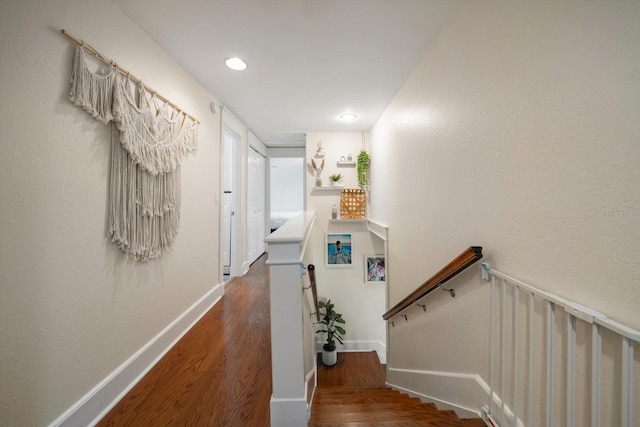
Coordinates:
<point>235,64</point>
<point>348,116</point>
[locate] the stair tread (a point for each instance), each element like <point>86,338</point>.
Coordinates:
<point>386,416</point>
<point>384,406</point>
<point>347,397</point>
<point>410,423</point>
<point>367,399</point>
<point>364,396</point>
<point>349,406</point>
<point>473,422</point>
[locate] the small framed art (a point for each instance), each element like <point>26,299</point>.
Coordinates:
<point>338,250</point>
<point>375,270</point>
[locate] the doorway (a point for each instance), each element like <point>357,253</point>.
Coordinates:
<point>286,189</point>
<point>256,189</point>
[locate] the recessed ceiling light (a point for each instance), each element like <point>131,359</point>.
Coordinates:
<point>348,116</point>
<point>235,64</point>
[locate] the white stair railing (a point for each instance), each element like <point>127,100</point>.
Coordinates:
<point>511,401</point>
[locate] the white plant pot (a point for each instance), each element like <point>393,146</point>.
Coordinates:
<point>329,358</point>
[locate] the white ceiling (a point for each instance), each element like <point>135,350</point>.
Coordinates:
<point>309,60</point>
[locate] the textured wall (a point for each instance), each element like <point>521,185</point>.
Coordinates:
<point>72,309</point>
<point>519,132</point>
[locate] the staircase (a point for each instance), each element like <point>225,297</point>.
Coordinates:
<point>352,393</point>
<point>348,406</point>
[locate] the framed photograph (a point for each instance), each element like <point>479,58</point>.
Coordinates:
<point>338,250</point>
<point>375,270</point>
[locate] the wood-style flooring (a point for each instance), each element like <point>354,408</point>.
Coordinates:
<point>353,393</point>
<point>218,374</point>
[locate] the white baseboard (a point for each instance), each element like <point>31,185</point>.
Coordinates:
<point>289,412</point>
<point>463,393</point>
<point>94,405</point>
<point>245,267</point>
<point>377,346</point>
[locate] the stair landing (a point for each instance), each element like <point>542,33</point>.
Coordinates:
<point>353,393</point>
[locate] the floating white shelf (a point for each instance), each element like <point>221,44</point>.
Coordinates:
<point>335,187</point>
<point>348,220</point>
<point>346,164</point>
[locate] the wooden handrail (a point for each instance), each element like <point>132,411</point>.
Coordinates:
<point>456,266</point>
<point>314,291</point>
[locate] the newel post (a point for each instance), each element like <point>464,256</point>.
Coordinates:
<point>285,248</point>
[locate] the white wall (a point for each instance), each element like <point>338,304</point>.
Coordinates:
<point>362,305</point>
<point>518,132</point>
<point>287,184</point>
<point>72,308</point>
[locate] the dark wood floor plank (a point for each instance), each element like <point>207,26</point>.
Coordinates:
<point>353,394</point>
<point>354,369</point>
<point>218,374</point>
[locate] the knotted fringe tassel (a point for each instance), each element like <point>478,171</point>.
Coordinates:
<point>144,211</point>
<point>147,145</point>
<point>93,92</point>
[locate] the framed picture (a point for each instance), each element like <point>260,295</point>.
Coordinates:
<point>338,251</point>
<point>375,270</point>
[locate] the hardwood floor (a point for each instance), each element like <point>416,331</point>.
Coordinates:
<point>353,393</point>
<point>354,369</point>
<point>218,374</point>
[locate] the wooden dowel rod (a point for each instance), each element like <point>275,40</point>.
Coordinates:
<point>108,61</point>
<point>314,288</point>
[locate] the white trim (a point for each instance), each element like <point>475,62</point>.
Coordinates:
<point>94,405</point>
<point>289,412</point>
<point>239,257</point>
<point>245,267</point>
<point>463,393</point>
<point>380,230</point>
<point>257,144</point>
<point>311,377</point>
<point>232,121</point>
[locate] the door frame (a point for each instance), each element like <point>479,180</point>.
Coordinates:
<point>239,264</point>
<point>261,150</point>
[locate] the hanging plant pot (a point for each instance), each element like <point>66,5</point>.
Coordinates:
<point>363,169</point>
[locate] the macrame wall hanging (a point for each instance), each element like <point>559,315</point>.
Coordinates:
<point>149,138</point>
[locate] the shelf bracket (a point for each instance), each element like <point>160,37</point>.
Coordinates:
<point>485,271</point>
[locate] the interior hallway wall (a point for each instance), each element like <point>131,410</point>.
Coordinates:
<point>519,131</point>
<point>361,305</point>
<point>72,308</point>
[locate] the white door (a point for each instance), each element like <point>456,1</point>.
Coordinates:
<point>227,236</point>
<point>227,207</point>
<point>255,204</point>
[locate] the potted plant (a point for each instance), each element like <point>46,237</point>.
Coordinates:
<point>335,178</point>
<point>330,320</point>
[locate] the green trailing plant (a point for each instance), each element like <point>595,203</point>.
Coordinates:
<point>363,169</point>
<point>335,177</point>
<point>331,321</point>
